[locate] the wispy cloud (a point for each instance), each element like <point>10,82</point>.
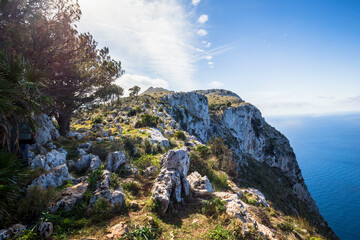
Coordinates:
<point>195,2</point>
<point>153,38</point>
<point>216,84</point>
<point>129,80</point>
<point>202,32</point>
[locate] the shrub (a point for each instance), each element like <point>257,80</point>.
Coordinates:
<point>147,120</point>
<point>142,232</point>
<point>94,177</point>
<point>204,151</point>
<point>28,235</point>
<point>180,135</point>
<point>219,233</point>
<point>145,161</point>
<point>161,109</point>
<point>252,201</point>
<point>35,202</point>
<point>98,119</point>
<point>286,226</point>
<point>213,207</point>
<point>132,187</point>
<point>131,113</point>
<point>101,210</point>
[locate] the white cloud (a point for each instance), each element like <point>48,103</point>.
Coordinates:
<point>203,18</point>
<point>152,38</point>
<point>202,32</point>
<point>195,2</point>
<point>208,58</point>
<point>129,80</point>
<point>210,63</point>
<point>216,84</point>
<point>208,45</point>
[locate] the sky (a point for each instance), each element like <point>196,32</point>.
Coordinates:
<point>287,57</point>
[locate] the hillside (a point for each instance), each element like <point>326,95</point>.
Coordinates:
<point>165,165</point>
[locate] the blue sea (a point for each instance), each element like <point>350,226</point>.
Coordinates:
<point>328,152</point>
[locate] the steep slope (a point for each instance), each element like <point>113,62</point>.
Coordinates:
<point>255,144</point>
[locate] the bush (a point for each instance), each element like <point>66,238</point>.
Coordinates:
<point>142,232</point>
<point>131,113</point>
<point>132,187</point>
<point>147,120</point>
<point>98,119</point>
<point>101,210</point>
<point>219,233</point>
<point>213,207</point>
<point>35,202</point>
<point>146,161</point>
<point>180,135</point>
<point>286,226</point>
<point>204,151</point>
<point>252,201</point>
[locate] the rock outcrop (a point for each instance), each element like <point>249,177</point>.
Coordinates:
<point>157,137</point>
<point>69,197</point>
<point>54,178</point>
<point>200,186</point>
<point>49,161</point>
<point>191,111</point>
<point>46,130</point>
<point>114,160</point>
<point>172,182</point>
<point>88,162</point>
<point>115,197</point>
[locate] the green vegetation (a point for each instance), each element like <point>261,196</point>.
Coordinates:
<point>98,119</point>
<point>213,207</point>
<point>147,160</point>
<point>147,120</point>
<point>142,232</point>
<point>180,135</point>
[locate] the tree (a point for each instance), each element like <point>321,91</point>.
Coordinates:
<point>20,97</point>
<point>134,91</point>
<point>44,32</point>
<point>110,93</point>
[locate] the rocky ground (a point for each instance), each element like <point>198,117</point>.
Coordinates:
<point>167,165</point>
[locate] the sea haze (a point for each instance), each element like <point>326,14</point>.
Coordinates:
<point>328,152</point>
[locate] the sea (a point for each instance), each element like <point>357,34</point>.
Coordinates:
<point>328,152</point>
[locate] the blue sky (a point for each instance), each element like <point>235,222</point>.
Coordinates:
<point>286,57</point>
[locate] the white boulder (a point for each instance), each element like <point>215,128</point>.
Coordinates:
<point>200,186</point>
<point>54,178</point>
<point>46,130</point>
<point>114,160</point>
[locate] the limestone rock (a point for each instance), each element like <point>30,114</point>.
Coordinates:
<point>149,171</point>
<point>172,182</point>
<point>69,197</point>
<point>200,186</point>
<point>117,231</point>
<point>4,234</point>
<point>17,229</point>
<point>49,161</point>
<point>259,196</point>
<point>238,209</point>
<point>103,191</point>
<point>178,160</point>
<point>88,162</point>
<point>191,111</point>
<point>46,131</point>
<point>114,160</point>
<point>75,134</point>
<point>54,178</point>
<point>46,229</point>
<point>158,137</point>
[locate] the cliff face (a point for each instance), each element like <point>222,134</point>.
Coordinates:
<point>253,141</point>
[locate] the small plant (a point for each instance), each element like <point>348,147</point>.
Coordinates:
<point>161,109</point>
<point>213,207</point>
<point>101,210</point>
<point>147,120</point>
<point>131,113</point>
<point>142,232</point>
<point>204,151</point>
<point>286,226</point>
<point>145,161</point>
<point>98,120</point>
<point>219,233</point>
<point>180,135</point>
<point>252,201</point>
<point>132,187</point>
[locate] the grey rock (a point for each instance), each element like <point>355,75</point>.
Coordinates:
<point>172,182</point>
<point>50,161</point>
<point>69,197</point>
<point>158,137</point>
<point>46,229</point>
<point>86,146</point>
<point>46,131</point>
<point>259,196</point>
<point>51,145</point>
<point>88,162</point>
<point>199,186</point>
<point>76,134</point>
<point>114,160</point>
<point>103,191</point>
<point>81,151</point>
<point>17,229</point>
<point>149,171</point>
<point>54,178</point>
<point>4,234</point>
